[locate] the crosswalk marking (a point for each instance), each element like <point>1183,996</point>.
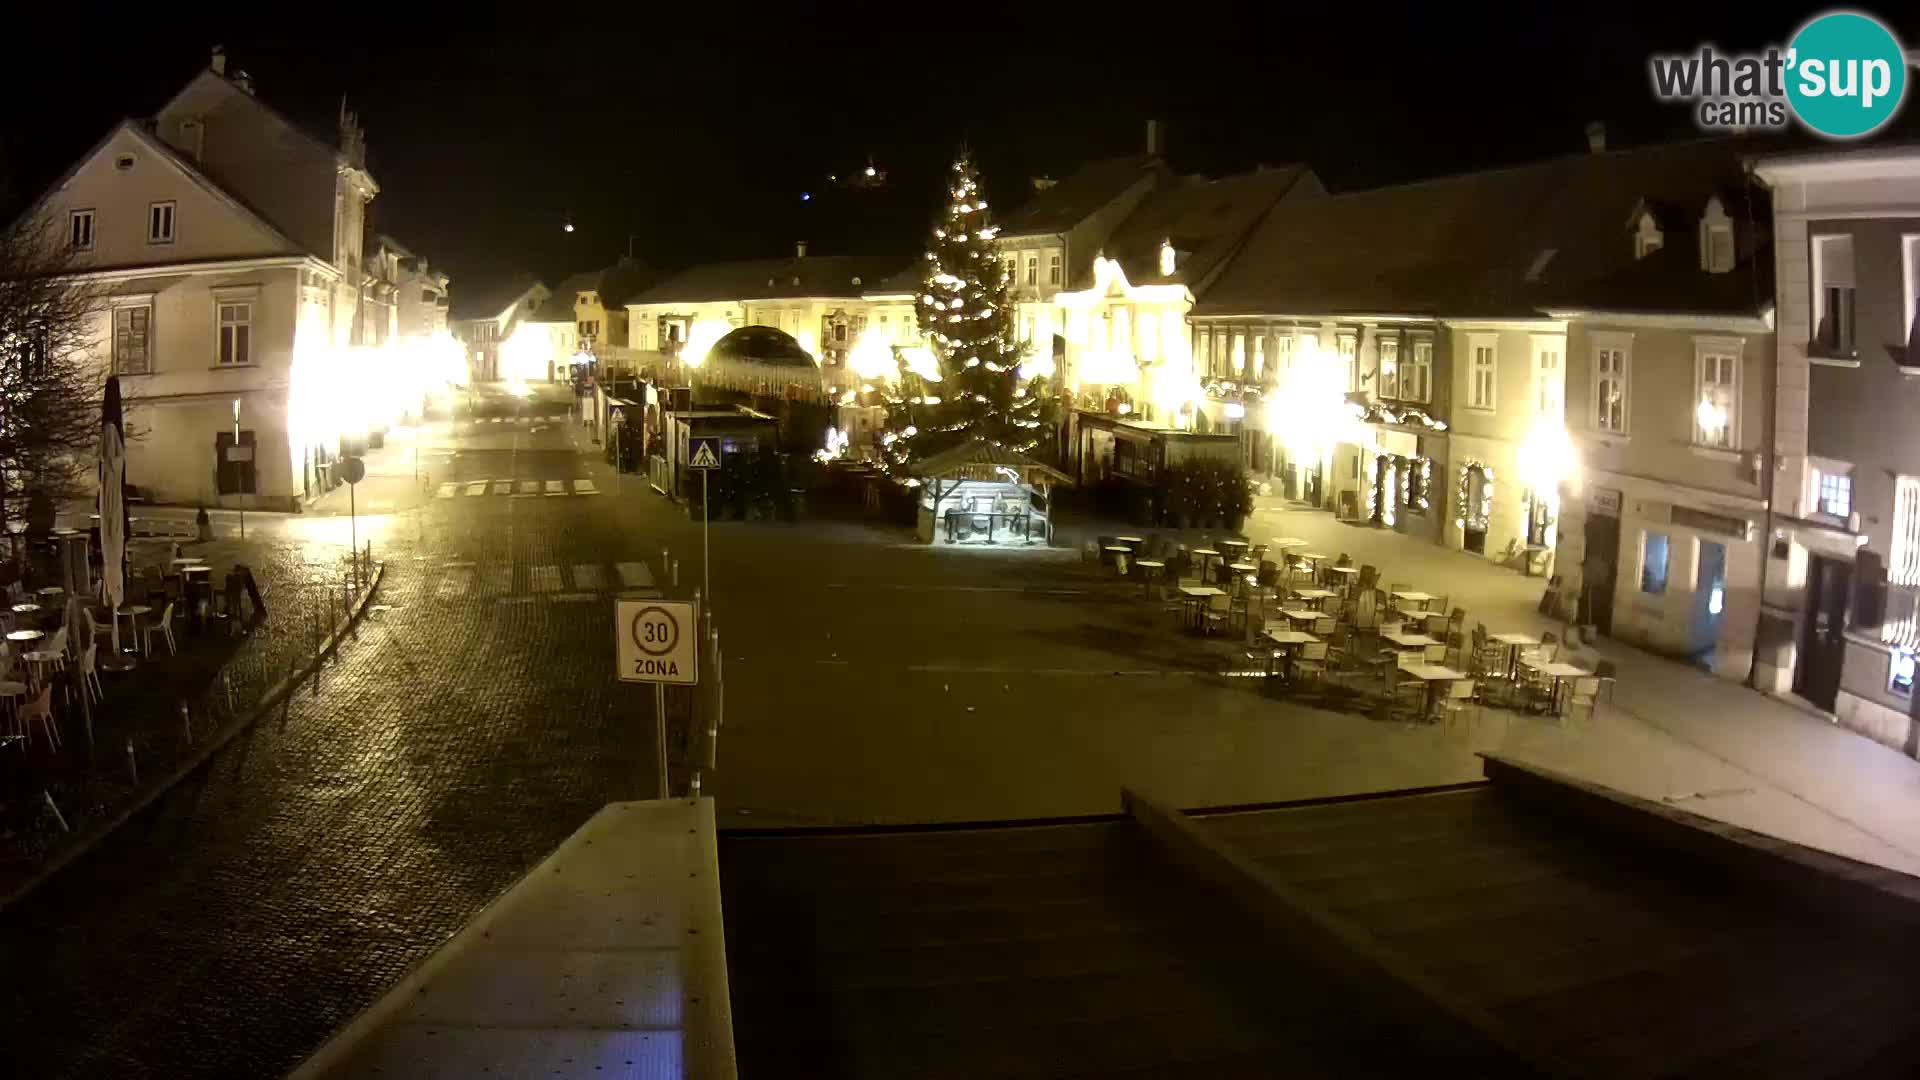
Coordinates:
<point>503,487</point>
<point>544,578</point>
<point>577,583</point>
<point>447,491</point>
<point>587,576</point>
<point>477,487</point>
<point>529,487</point>
<point>634,575</point>
<point>556,487</point>
<point>455,584</point>
<point>584,486</point>
<point>496,420</point>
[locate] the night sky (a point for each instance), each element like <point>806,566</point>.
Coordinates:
<point>486,134</point>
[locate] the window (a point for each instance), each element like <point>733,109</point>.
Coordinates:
<point>1549,382</point>
<point>1345,344</point>
<point>839,333</point>
<point>1013,273</point>
<point>1149,333</point>
<point>1239,354</point>
<point>1833,493</point>
<point>1610,383</point>
<point>1653,562</point>
<point>1910,264</point>
<point>80,230</point>
<point>1388,349</point>
<point>1716,412</point>
<point>236,334</point>
<point>1903,568</point>
<point>1647,238</point>
<point>131,331</point>
<point>1483,386</point>
<point>160,223</point>
<point>1900,673</point>
<point>1053,268</point>
<point>1033,269</point>
<point>1260,356</point>
<point>1833,295</point>
<point>1029,336</point>
<point>1416,375</point>
<point>1202,342</point>
<point>1716,238</point>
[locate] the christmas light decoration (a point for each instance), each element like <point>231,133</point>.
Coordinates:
<point>1473,514</point>
<point>970,343</point>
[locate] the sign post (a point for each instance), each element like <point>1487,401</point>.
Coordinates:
<point>353,470</point>
<point>706,458</point>
<point>656,641</point>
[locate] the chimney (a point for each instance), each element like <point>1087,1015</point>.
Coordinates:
<point>1153,138</point>
<point>1596,137</point>
<point>219,60</point>
<point>244,81</point>
<point>799,249</point>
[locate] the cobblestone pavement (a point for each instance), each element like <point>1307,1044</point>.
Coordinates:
<point>469,729</point>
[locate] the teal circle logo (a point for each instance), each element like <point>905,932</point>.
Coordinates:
<point>1846,74</point>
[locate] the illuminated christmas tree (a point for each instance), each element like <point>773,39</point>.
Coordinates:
<point>966,317</point>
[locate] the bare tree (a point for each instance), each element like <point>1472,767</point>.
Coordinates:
<point>50,383</point>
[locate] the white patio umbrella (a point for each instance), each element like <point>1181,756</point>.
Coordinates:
<point>113,506</point>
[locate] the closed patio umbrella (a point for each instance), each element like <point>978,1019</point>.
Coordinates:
<point>113,506</point>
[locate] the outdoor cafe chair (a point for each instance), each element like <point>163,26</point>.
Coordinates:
<point>1216,613</point>
<point>1460,697</point>
<point>1408,695</point>
<point>1607,672</point>
<point>1436,653</point>
<point>1583,693</point>
<point>90,674</point>
<point>163,627</point>
<point>41,709</point>
<point>1309,659</point>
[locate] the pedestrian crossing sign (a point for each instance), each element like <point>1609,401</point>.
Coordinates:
<point>706,454</point>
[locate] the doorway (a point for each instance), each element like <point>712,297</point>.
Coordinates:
<point>1599,572</point>
<point>1823,643</point>
<point>1709,599</point>
<point>1478,511</point>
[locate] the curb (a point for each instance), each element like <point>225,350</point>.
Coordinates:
<point>91,838</point>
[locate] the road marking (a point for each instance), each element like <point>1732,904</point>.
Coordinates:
<point>989,669</point>
<point>556,487</point>
<point>498,579</point>
<point>494,420</point>
<point>455,584</point>
<point>587,576</point>
<point>634,575</point>
<point>529,487</point>
<point>545,578</point>
<point>575,597</point>
<point>584,486</point>
<point>446,491</point>
<point>477,487</point>
<point>503,487</point>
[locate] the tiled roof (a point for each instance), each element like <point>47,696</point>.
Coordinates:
<point>1508,242</point>
<point>1073,199</point>
<point>773,279</point>
<point>1205,220</point>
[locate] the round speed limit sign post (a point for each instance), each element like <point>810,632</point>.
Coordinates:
<point>654,641</point>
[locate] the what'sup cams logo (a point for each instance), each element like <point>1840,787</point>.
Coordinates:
<point>1844,75</point>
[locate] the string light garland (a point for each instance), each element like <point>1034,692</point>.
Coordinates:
<point>1473,515</point>
<point>967,314</point>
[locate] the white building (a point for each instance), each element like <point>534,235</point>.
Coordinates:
<point>227,242</point>
<point>488,318</point>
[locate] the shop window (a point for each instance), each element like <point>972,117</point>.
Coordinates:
<point>1653,563</point>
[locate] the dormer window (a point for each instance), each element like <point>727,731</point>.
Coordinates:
<point>1647,237</point>
<point>1716,239</point>
<point>1167,258</point>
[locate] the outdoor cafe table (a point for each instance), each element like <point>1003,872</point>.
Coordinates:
<point>1344,571</point>
<point>1234,547</point>
<point>1243,568</point>
<point>1287,641</point>
<point>1150,569</point>
<point>1133,542</point>
<point>1193,601</point>
<point>1299,615</point>
<point>26,609</point>
<point>1409,642</point>
<point>186,560</point>
<point>1315,597</point>
<point>1557,672</point>
<point>1435,676</point>
<point>1113,553</point>
<point>1514,643</point>
<point>1415,596</point>
<point>25,635</point>
<point>1206,557</point>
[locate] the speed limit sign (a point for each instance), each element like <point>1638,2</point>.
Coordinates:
<point>654,642</point>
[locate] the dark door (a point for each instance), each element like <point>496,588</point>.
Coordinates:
<point>1823,643</point>
<point>1597,574</point>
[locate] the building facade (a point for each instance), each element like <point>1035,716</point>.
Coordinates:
<point>1843,566</point>
<point>484,321</point>
<point>226,242</point>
